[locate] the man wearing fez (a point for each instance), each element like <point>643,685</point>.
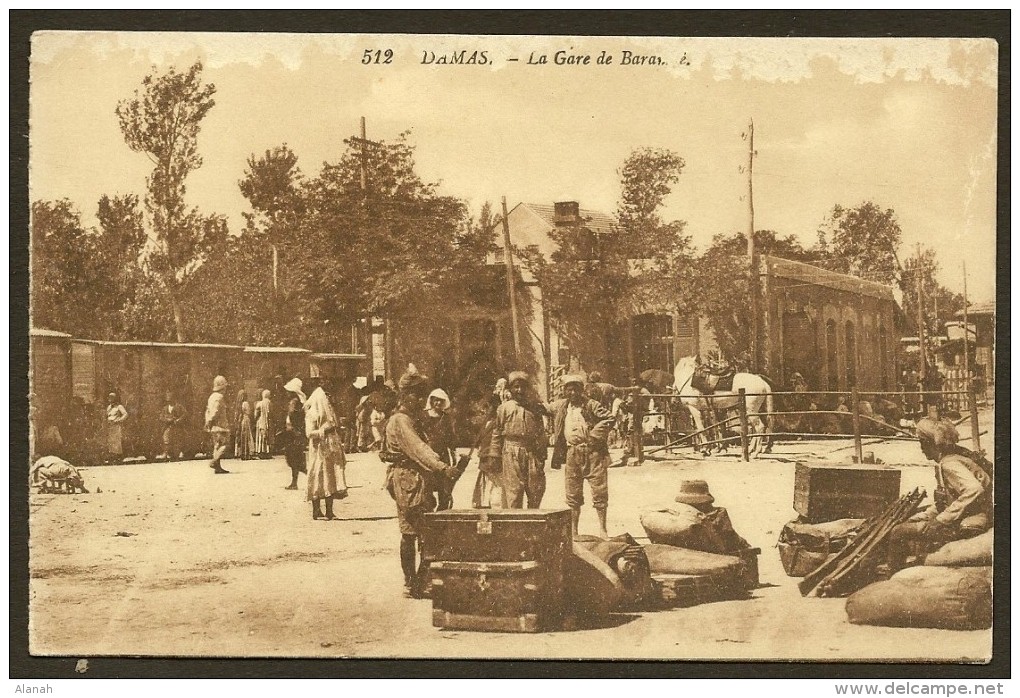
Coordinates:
<point>963,495</point>
<point>410,476</point>
<point>580,430</point>
<point>519,443</point>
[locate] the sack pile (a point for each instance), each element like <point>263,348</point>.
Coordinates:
<point>949,598</point>
<point>803,547</point>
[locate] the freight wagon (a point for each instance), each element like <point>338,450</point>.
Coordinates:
<point>141,373</point>
<point>71,379</point>
<point>50,387</point>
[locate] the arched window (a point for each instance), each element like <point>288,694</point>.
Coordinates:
<point>831,361</point>
<point>851,355</point>
<point>883,347</point>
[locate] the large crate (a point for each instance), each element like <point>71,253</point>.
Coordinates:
<point>826,492</point>
<point>498,570</point>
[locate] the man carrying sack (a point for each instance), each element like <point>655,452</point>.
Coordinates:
<point>580,431</point>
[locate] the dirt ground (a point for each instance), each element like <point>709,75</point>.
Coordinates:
<point>170,559</point>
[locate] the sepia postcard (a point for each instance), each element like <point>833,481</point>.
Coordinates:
<point>453,346</point>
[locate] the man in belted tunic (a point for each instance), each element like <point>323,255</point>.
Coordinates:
<point>963,495</point>
<point>519,443</point>
<point>580,430</point>
<point>409,478</point>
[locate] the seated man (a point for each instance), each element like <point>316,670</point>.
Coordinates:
<point>963,497</point>
<point>716,531</point>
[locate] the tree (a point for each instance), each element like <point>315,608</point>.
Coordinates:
<point>591,283</point>
<point>862,241</point>
<point>126,310</point>
<point>393,248</point>
<point>85,281</point>
<point>63,288</point>
<point>721,294</point>
<point>940,304</point>
<point>664,277</point>
<point>163,121</point>
<point>272,185</point>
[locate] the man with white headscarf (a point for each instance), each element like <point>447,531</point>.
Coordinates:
<point>217,423</point>
<point>963,495</point>
<point>438,428</point>
<point>294,431</point>
<point>326,457</point>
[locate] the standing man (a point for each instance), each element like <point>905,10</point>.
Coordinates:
<point>412,465</point>
<point>580,429</point>
<point>963,495</point>
<point>519,443</point>
<point>438,428</point>
<point>171,416</point>
<point>116,415</point>
<point>217,423</point>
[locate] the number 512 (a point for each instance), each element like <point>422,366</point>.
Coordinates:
<point>377,57</point>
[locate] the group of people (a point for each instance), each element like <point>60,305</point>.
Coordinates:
<point>311,438</point>
<point>512,447</point>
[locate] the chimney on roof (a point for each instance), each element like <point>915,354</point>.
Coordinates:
<point>566,213</point>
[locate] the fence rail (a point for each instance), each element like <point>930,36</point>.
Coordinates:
<point>961,397</point>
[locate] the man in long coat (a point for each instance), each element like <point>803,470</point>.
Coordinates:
<point>519,443</point>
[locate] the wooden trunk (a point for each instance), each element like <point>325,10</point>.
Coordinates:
<point>520,597</point>
<point>830,492</point>
<point>498,570</point>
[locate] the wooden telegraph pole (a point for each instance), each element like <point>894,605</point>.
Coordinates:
<point>975,429</point>
<point>363,144</point>
<point>752,258</point>
<point>508,259</point>
<point>919,282</point>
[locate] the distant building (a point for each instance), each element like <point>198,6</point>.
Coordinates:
<point>836,330</point>
<point>980,341</point>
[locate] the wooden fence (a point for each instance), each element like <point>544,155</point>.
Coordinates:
<point>914,403</point>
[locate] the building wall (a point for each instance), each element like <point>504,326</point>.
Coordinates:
<point>836,339</point>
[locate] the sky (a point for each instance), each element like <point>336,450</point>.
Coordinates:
<point>907,123</point>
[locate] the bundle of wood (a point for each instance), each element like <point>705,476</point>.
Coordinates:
<point>853,567</point>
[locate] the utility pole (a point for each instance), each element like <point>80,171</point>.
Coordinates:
<point>752,257</point>
<point>363,144</point>
<point>966,328</point>
<point>508,260</point>
<point>919,279</point>
<point>364,140</point>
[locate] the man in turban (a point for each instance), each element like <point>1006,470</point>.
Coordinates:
<point>217,423</point>
<point>963,495</point>
<point>519,443</point>
<point>409,478</point>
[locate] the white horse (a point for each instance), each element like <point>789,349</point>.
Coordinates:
<point>759,401</point>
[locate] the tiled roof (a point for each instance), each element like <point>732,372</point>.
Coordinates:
<point>808,273</point>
